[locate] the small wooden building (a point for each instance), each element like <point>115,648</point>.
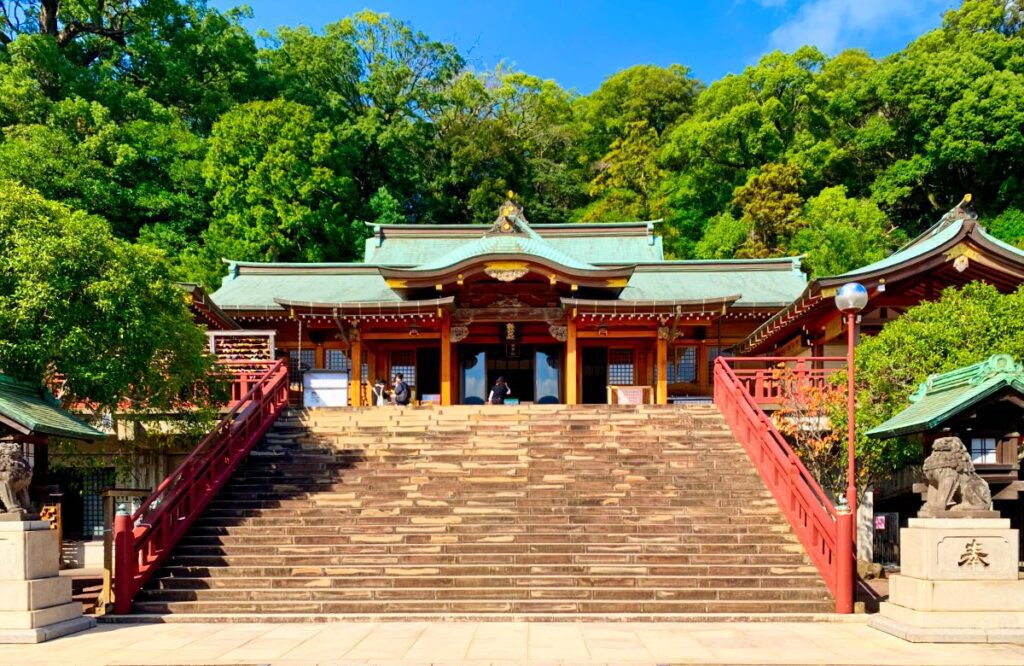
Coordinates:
<point>30,415</point>
<point>983,405</point>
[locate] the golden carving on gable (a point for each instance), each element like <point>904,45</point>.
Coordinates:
<point>961,250</point>
<point>395,284</point>
<point>617,282</point>
<point>506,271</point>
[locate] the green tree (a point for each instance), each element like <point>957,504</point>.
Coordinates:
<point>661,97</point>
<point>964,326</point>
<point>840,234</point>
<point>770,204</point>
<point>282,189</point>
<point>723,237</point>
<point>101,312</point>
<point>628,178</point>
<point>1009,226</point>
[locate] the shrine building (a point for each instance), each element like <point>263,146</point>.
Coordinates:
<point>567,313</point>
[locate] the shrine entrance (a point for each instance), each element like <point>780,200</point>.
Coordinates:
<point>533,372</point>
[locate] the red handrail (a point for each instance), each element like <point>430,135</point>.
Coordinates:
<point>143,540</point>
<point>826,534</point>
<point>766,383</point>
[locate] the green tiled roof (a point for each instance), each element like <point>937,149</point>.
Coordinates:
<point>595,250</point>
<point>37,411</point>
<point>530,245</point>
<point>257,291</point>
<point>768,283</point>
<point>943,396</point>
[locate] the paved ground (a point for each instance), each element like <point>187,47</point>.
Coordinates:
<point>499,643</point>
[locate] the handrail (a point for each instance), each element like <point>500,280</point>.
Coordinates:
<point>766,383</point>
<point>825,532</point>
<point>143,540</point>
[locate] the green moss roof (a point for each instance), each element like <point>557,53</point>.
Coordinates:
<point>944,396</point>
<point>36,411</point>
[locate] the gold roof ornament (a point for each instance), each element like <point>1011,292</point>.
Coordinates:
<point>509,217</point>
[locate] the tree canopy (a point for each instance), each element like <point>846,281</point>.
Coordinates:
<point>188,134</point>
<point>101,312</point>
<point>963,327</point>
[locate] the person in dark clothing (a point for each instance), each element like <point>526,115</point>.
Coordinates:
<point>401,395</point>
<point>499,392</point>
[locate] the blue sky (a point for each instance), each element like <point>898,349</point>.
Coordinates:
<point>579,43</point>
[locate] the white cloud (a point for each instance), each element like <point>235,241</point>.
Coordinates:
<point>833,25</point>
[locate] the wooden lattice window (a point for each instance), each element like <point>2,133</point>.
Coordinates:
<point>682,367</point>
<point>307,358</point>
<point>620,367</point>
<point>336,359</point>
<point>404,362</point>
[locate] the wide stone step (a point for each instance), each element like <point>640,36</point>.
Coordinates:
<point>177,578</point>
<point>319,570</point>
<point>485,606</point>
<point>262,595</point>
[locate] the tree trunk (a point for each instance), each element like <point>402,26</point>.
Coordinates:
<point>48,17</point>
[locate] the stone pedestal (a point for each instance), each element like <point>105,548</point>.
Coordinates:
<point>958,583</point>
<point>35,601</point>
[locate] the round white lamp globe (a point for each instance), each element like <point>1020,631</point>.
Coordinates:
<point>851,297</point>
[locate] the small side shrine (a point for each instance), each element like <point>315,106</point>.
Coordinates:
<point>983,405</point>
<point>35,601</point>
<point>959,577</point>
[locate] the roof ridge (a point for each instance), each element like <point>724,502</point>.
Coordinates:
<point>968,375</point>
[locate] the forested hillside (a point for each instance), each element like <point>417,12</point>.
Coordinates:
<point>187,134</point>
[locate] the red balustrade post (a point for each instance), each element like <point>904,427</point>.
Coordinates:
<point>844,560</point>
<point>124,560</point>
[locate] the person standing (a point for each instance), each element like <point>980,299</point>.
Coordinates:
<point>499,392</point>
<point>401,394</point>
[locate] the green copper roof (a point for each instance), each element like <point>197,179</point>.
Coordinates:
<point>36,411</point>
<point>765,283</point>
<point>257,291</point>
<point>943,396</point>
<point>526,245</point>
<point>920,246</point>
<point>769,283</point>
<point>591,249</point>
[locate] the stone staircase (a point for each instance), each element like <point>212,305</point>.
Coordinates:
<point>517,512</point>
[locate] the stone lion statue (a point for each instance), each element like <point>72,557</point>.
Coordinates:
<point>953,484</point>
<point>15,476</point>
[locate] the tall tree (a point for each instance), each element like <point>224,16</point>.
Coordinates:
<point>282,188</point>
<point>101,312</point>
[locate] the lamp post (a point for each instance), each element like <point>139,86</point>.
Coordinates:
<point>850,299</point>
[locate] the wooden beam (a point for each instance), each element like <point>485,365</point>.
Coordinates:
<point>355,389</point>
<point>661,396</point>
<point>446,359</point>
<point>571,364</point>
<point>617,334</point>
<point>402,335</point>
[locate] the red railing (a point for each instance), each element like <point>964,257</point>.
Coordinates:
<point>143,540</point>
<point>826,534</point>
<point>766,382</point>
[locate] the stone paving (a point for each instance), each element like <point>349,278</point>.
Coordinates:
<point>480,643</point>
